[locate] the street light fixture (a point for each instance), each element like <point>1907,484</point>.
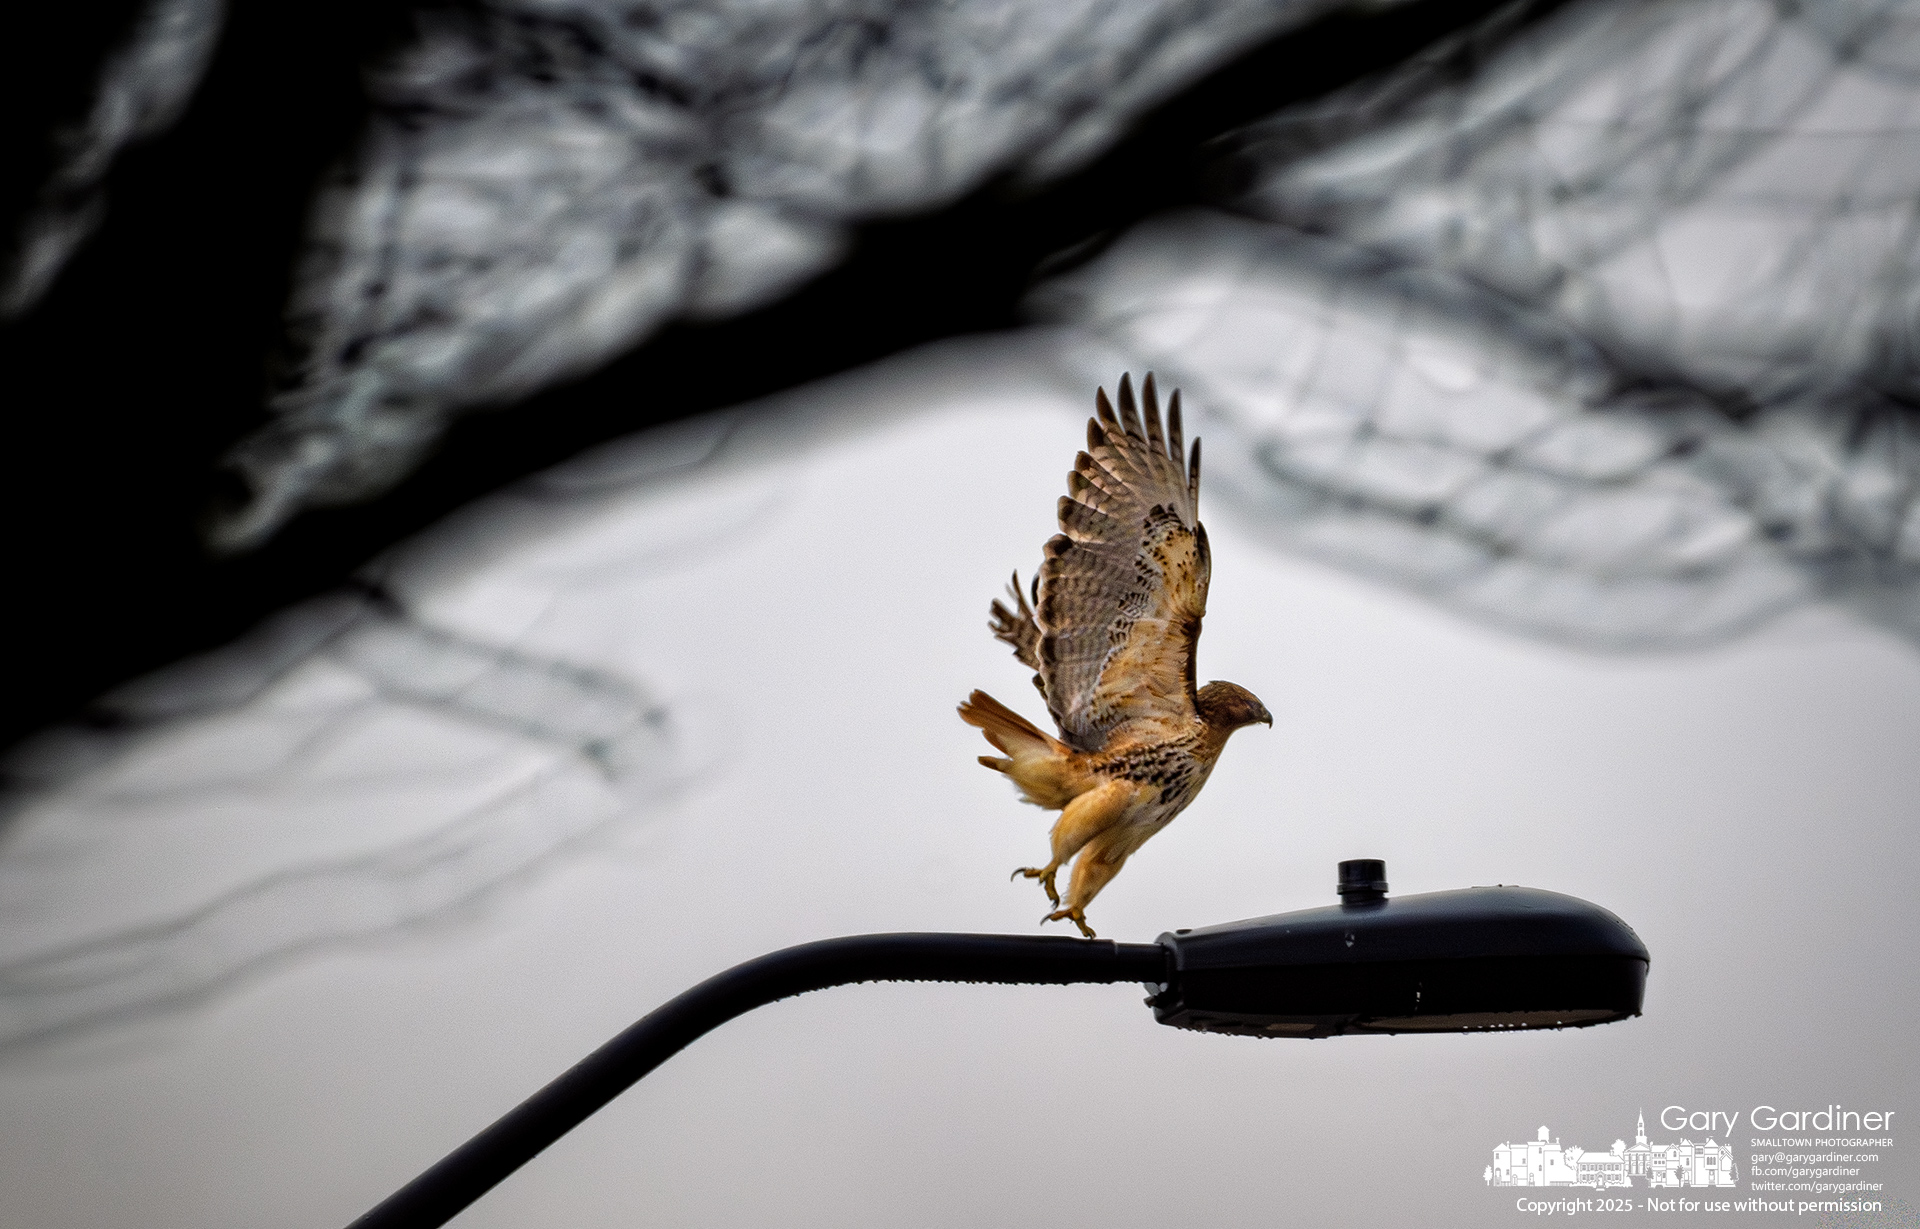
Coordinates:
<point>1472,960</point>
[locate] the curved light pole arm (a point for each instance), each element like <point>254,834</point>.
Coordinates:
<point>474,1168</point>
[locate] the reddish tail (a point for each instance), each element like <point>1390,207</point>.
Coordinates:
<point>1040,764</point>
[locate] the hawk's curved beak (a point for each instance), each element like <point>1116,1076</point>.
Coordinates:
<point>1266,718</point>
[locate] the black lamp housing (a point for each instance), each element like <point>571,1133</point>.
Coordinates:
<point>1471,960</point>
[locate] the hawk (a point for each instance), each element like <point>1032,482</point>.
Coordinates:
<point>1111,634</point>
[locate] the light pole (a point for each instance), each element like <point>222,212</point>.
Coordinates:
<point>1472,960</point>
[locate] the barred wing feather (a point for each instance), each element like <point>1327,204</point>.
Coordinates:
<point>1124,584</point>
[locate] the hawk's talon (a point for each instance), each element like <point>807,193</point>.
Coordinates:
<point>1043,875</point>
<point>1075,915</point>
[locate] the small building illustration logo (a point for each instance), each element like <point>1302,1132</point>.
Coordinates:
<point>1545,1162</point>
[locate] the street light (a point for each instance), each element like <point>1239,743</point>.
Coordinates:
<point>1472,960</point>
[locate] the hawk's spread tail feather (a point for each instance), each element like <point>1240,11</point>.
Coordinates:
<point>1007,729</point>
<point>1040,764</point>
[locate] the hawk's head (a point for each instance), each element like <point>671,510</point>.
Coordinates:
<point>1228,706</point>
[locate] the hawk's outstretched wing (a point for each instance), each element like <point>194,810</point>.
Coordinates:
<point>1124,585</point>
